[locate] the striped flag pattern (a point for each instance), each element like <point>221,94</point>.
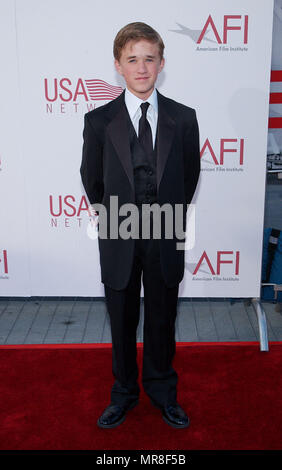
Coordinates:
<point>101,90</point>
<point>275,122</point>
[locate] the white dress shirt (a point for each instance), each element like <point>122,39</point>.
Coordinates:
<point>133,106</point>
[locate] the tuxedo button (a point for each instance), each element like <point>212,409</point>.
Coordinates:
<point>149,172</point>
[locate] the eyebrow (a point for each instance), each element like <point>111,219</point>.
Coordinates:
<point>134,56</point>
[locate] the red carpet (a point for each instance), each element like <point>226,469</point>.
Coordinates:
<point>51,398</point>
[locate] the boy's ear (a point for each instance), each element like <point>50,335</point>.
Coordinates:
<point>162,63</point>
<point>117,66</point>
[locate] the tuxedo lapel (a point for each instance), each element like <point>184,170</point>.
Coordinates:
<point>165,134</point>
<point>118,132</point>
<point>119,135</point>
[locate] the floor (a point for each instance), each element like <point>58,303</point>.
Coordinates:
<point>39,320</point>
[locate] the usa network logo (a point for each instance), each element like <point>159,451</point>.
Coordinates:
<point>64,95</point>
<point>228,33</point>
<point>67,211</point>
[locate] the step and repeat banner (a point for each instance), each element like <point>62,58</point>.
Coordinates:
<point>53,54</point>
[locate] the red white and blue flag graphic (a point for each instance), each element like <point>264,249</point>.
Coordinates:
<point>101,90</point>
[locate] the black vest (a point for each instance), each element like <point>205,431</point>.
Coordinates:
<point>144,169</point>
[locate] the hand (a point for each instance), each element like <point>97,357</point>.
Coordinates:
<point>92,211</point>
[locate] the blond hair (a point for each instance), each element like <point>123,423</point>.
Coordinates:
<point>136,31</point>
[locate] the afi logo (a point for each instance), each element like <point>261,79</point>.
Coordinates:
<point>230,23</point>
<point>3,261</point>
<point>224,147</point>
<point>216,269</point>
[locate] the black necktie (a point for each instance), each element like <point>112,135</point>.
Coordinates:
<point>145,132</point>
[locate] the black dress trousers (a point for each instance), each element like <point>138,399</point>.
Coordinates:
<point>159,379</point>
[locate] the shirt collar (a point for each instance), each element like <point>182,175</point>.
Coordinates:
<point>133,102</point>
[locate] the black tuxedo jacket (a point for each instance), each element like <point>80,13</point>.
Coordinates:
<point>106,169</point>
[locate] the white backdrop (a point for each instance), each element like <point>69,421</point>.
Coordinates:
<point>49,52</point>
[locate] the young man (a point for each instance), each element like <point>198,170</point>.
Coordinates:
<point>142,148</point>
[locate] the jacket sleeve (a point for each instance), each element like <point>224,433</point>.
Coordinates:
<point>191,159</point>
<point>91,168</point>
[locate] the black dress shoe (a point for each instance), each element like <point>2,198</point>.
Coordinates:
<point>114,415</point>
<point>174,415</point>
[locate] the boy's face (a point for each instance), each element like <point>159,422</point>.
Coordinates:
<point>140,65</point>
